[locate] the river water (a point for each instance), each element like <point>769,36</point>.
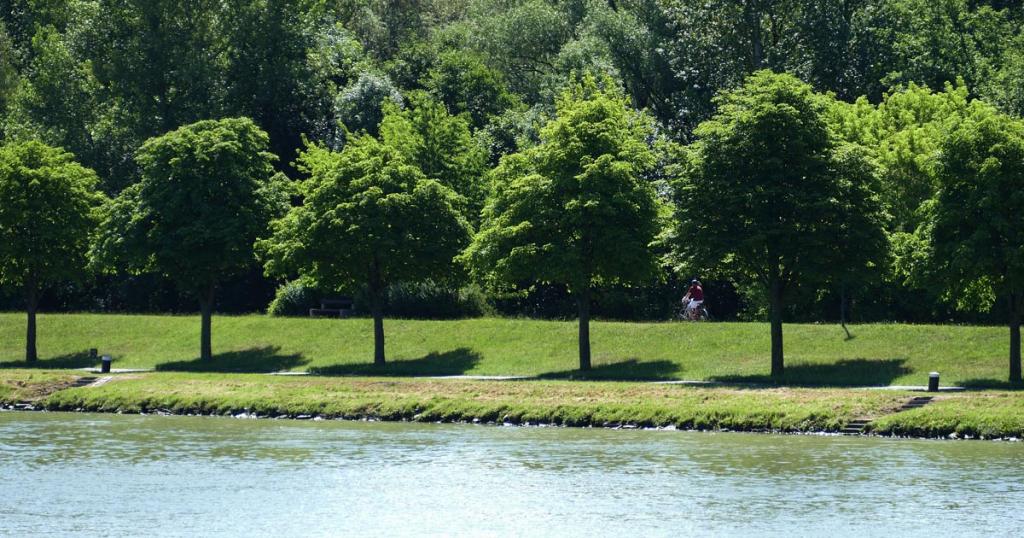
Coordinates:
<point>83,474</point>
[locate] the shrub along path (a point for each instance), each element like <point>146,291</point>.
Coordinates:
<point>879,354</point>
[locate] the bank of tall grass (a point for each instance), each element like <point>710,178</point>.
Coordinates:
<point>975,414</point>
<point>878,354</point>
<point>430,400</point>
<point>30,385</point>
<point>981,414</point>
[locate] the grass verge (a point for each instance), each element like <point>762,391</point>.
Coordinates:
<point>31,385</point>
<point>987,414</point>
<point>879,354</point>
<point>551,402</point>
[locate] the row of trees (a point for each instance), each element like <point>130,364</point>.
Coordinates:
<point>781,189</point>
<point>100,77</point>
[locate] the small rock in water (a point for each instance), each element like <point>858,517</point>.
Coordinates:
<point>953,436</point>
<point>318,417</point>
<point>304,417</point>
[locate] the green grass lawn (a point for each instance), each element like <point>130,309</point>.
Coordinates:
<point>879,354</point>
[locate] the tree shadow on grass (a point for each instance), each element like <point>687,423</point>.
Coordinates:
<point>844,373</point>
<point>254,360</point>
<point>454,362</point>
<point>627,370</point>
<point>78,359</point>
<point>997,384</point>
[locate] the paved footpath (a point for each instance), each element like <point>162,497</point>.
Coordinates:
<point>688,382</point>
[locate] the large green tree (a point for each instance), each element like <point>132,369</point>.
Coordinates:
<point>162,60</point>
<point>575,210</point>
<point>368,218</point>
<point>440,145</point>
<point>978,230</point>
<point>859,251</point>
<point>761,196</point>
<point>905,132</point>
<point>465,84</point>
<point>49,212</point>
<point>57,102</point>
<point>208,192</point>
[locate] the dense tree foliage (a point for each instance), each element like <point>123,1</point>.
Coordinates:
<point>767,196</point>
<point>369,218</point>
<point>207,193</point>
<point>49,210</point>
<point>978,229</point>
<point>456,86</point>
<point>441,146</point>
<point>576,209</point>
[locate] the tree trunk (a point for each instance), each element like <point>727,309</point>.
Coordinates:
<point>583,302</point>
<point>206,312</point>
<point>753,20</point>
<point>1015,308</point>
<point>377,310</point>
<point>842,311</point>
<point>775,315</point>
<point>376,285</point>
<point>31,305</point>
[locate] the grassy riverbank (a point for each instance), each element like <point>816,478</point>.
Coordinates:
<point>556,402</point>
<point>879,354</point>
<point>989,414</point>
<point>31,385</point>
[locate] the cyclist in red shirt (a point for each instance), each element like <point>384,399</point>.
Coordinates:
<point>694,298</point>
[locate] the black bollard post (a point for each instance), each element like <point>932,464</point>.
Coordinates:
<point>933,382</point>
<point>105,367</point>
<point>93,353</point>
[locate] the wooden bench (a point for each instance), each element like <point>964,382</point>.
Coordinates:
<point>334,308</point>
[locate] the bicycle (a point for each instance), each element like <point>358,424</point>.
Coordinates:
<point>697,314</point>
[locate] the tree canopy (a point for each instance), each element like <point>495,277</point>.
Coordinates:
<point>978,229</point>
<point>207,192</point>
<point>576,209</point>
<point>764,193</point>
<point>463,90</point>
<point>369,218</point>
<point>441,146</point>
<point>49,212</point>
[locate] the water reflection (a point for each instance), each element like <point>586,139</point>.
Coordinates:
<point>129,475</point>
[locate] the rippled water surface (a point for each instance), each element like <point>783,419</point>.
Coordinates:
<point>78,474</point>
